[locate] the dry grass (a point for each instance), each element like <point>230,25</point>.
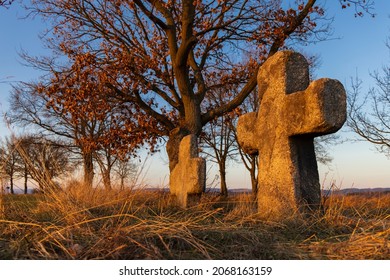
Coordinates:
<point>96,224</point>
<point>361,225</point>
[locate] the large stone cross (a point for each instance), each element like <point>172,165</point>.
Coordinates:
<point>189,175</point>
<point>292,112</point>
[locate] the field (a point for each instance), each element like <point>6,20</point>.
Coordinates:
<point>144,225</point>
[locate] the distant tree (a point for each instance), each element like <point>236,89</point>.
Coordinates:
<point>217,140</point>
<point>45,159</point>
<point>71,106</point>
<point>219,145</point>
<point>369,114</point>
<point>125,169</point>
<point>29,108</point>
<point>23,168</point>
<point>322,145</point>
<point>10,159</point>
<point>13,159</point>
<point>3,179</point>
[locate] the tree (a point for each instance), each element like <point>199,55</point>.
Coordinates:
<point>106,160</point>
<point>3,181</point>
<point>6,3</point>
<point>28,108</point>
<point>10,159</point>
<point>361,7</point>
<point>161,58</point>
<point>369,115</point>
<point>32,156</point>
<point>70,105</point>
<point>44,159</point>
<point>13,164</point>
<point>220,146</point>
<point>23,168</point>
<point>125,169</point>
<point>322,145</point>
<point>217,139</point>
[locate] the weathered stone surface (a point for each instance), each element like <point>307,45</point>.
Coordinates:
<point>291,114</point>
<point>189,175</point>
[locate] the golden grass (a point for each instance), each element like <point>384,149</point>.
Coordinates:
<point>143,224</point>
<point>358,225</point>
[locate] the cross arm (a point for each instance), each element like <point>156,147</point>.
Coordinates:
<point>319,110</point>
<point>246,133</point>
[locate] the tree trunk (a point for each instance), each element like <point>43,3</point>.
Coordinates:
<point>11,181</point>
<point>88,169</point>
<point>192,124</point>
<point>222,173</point>
<point>253,174</point>
<point>122,187</point>
<point>105,168</point>
<point>173,145</point>
<point>106,179</point>
<point>25,179</point>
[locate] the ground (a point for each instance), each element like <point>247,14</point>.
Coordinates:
<point>143,224</point>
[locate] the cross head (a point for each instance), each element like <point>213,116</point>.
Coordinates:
<point>292,112</point>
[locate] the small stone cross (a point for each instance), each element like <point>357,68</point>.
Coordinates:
<point>189,175</point>
<point>292,112</point>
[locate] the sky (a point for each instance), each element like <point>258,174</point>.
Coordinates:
<point>357,47</point>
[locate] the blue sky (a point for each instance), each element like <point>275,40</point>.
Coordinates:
<point>361,49</point>
<point>358,47</point>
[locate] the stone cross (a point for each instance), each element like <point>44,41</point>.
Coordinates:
<point>189,175</point>
<point>292,112</point>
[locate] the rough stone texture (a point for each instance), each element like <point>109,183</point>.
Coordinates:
<point>291,114</point>
<point>189,175</point>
